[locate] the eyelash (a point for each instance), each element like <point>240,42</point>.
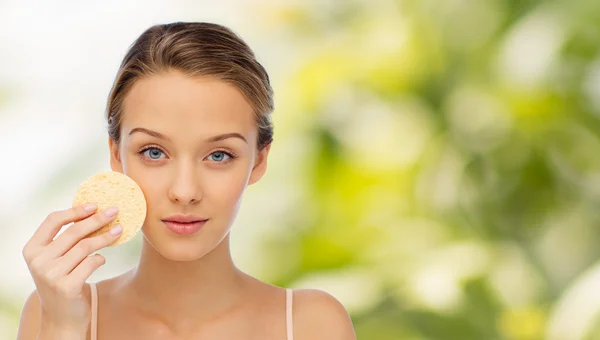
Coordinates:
<point>231,155</point>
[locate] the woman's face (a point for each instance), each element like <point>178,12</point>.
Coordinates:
<point>190,144</point>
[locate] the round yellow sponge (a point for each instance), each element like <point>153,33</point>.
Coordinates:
<point>108,189</point>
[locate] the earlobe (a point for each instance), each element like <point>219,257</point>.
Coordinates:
<point>260,165</point>
<point>115,157</point>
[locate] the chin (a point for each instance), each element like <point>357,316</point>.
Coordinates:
<point>183,249</point>
<point>180,254</point>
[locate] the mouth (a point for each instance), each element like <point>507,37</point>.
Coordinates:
<point>184,228</point>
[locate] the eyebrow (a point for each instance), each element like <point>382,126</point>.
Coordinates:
<point>208,140</point>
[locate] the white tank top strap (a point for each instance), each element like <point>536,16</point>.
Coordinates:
<point>288,314</point>
<point>94,322</point>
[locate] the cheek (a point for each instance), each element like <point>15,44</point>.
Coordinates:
<point>146,177</point>
<point>225,187</point>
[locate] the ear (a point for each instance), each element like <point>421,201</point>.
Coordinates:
<point>115,156</point>
<point>260,165</point>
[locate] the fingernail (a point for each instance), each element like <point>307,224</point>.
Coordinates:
<point>110,212</point>
<point>90,207</point>
<point>116,230</point>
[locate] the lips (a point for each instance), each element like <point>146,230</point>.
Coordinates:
<point>184,225</point>
<point>184,219</point>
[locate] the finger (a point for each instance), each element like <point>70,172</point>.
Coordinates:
<point>83,249</point>
<point>56,220</point>
<point>80,230</point>
<point>85,268</point>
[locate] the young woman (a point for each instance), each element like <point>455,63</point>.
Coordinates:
<point>189,121</point>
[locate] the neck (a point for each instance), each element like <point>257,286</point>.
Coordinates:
<point>185,294</point>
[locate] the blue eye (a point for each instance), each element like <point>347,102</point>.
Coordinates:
<point>152,153</point>
<point>218,156</point>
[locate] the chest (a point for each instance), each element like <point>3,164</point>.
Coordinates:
<point>262,323</point>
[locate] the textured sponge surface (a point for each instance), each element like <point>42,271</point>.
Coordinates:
<point>108,189</point>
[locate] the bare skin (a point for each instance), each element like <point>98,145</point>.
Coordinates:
<point>188,287</point>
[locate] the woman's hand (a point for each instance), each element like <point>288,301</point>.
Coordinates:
<point>60,266</point>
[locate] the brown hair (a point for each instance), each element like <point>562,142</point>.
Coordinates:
<point>197,49</point>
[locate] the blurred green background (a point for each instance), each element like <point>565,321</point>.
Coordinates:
<point>435,167</point>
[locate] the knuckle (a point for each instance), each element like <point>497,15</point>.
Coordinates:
<point>108,236</point>
<point>72,233</point>
<point>36,265</point>
<point>101,218</point>
<point>77,210</point>
<point>52,217</point>
<point>86,245</point>
<point>51,275</point>
<point>80,252</point>
<point>96,260</point>
<point>30,252</point>
<point>26,252</point>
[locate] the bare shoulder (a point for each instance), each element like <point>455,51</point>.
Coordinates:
<point>319,315</point>
<point>31,316</point>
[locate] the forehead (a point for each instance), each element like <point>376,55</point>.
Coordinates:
<point>175,103</point>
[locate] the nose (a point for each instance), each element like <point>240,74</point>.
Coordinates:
<point>184,188</point>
